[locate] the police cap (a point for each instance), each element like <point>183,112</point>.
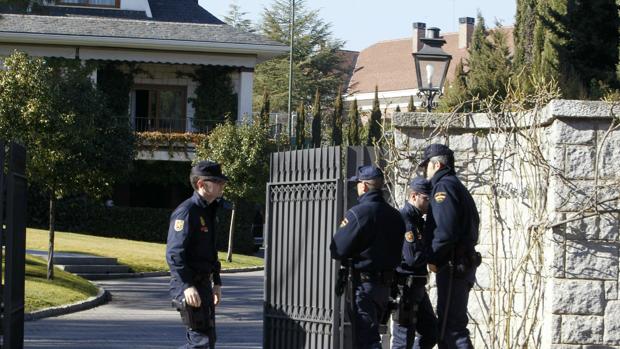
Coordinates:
<point>420,185</point>
<point>209,169</point>
<point>436,149</point>
<point>367,172</point>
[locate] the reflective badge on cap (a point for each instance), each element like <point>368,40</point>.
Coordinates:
<point>409,236</point>
<point>440,196</point>
<point>179,224</point>
<point>344,222</point>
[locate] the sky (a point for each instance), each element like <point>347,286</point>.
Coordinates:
<point>362,23</point>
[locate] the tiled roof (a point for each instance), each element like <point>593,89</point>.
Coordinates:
<point>186,11</point>
<point>180,11</point>
<point>390,66</point>
<point>128,29</point>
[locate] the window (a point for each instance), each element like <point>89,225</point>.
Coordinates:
<point>93,3</point>
<point>160,108</point>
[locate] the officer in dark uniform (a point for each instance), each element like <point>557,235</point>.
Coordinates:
<point>412,275</point>
<point>371,237</point>
<point>453,222</point>
<point>192,255</point>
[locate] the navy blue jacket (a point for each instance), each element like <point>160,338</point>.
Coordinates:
<point>453,217</point>
<point>191,248</point>
<point>415,248</point>
<point>371,234</point>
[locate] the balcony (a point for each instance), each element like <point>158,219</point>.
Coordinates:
<point>173,125</point>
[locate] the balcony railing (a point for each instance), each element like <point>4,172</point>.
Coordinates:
<point>173,125</point>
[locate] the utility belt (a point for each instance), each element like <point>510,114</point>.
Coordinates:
<point>383,278</point>
<point>411,280</point>
<point>203,279</point>
<point>466,258</point>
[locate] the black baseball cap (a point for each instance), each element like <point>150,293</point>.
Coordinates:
<point>436,149</point>
<point>209,169</point>
<point>366,173</point>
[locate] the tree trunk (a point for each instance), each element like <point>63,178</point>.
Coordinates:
<point>50,251</point>
<point>231,233</point>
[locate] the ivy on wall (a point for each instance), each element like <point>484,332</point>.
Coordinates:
<point>215,99</point>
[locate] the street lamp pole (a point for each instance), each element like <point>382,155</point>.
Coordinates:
<point>290,70</point>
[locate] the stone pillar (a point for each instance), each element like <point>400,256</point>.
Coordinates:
<point>246,82</point>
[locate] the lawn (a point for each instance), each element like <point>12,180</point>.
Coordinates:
<point>41,293</point>
<point>139,256</point>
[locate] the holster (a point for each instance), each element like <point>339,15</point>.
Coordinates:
<point>466,259</point>
<point>197,319</point>
<point>406,302</point>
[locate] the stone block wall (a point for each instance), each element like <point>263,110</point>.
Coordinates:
<point>570,268</point>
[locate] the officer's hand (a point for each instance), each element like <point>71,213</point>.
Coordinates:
<point>432,267</point>
<point>217,294</point>
<point>192,297</point>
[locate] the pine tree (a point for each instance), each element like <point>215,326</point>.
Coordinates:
<point>411,105</point>
<point>374,123</point>
<point>397,110</point>
<point>353,130</point>
<point>264,111</point>
<point>236,18</point>
<point>316,120</point>
<point>337,120</point>
<point>300,127</point>
<point>456,95</point>
<point>316,59</point>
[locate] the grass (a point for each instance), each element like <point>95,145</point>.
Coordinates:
<point>41,293</point>
<point>139,256</point>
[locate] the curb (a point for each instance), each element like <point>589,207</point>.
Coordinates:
<point>102,297</point>
<point>167,273</point>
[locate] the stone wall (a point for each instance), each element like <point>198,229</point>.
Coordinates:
<point>547,191</point>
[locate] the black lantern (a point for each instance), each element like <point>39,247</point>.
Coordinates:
<point>431,65</point>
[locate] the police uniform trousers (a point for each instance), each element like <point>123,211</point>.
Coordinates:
<point>456,334</point>
<point>426,326</point>
<point>198,339</point>
<point>371,302</point>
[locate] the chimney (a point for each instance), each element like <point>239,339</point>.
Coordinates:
<point>419,32</point>
<point>466,30</point>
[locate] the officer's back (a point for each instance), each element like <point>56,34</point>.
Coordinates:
<point>371,234</point>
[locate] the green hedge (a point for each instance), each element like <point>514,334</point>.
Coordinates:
<point>135,223</point>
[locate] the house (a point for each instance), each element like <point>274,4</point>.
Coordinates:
<point>389,65</point>
<point>165,41</point>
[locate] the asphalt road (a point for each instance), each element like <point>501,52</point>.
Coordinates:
<point>140,316</point>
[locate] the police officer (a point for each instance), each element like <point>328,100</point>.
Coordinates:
<point>453,222</point>
<point>192,255</point>
<point>371,237</point>
<point>412,275</point>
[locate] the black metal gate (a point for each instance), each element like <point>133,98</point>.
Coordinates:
<point>306,198</point>
<point>13,189</point>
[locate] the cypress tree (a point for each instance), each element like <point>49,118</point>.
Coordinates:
<point>411,105</point>
<point>374,124</point>
<point>316,120</point>
<point>576,44</point>
<point>456,95</point>
<point>525,23</point>
<point>353,134</point>
<point>337,119</point>
<point>300,127</point>
<point>397,110</point>
<point>264,111</point>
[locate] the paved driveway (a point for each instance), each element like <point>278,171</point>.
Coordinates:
<point>140,316</point>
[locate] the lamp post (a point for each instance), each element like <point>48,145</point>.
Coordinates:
<point>433,62</point>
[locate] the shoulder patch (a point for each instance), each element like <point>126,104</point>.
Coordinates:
<point>344,222</point>
<point>179,224</point>
<point>409,236</point>
<point>440,196</point>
